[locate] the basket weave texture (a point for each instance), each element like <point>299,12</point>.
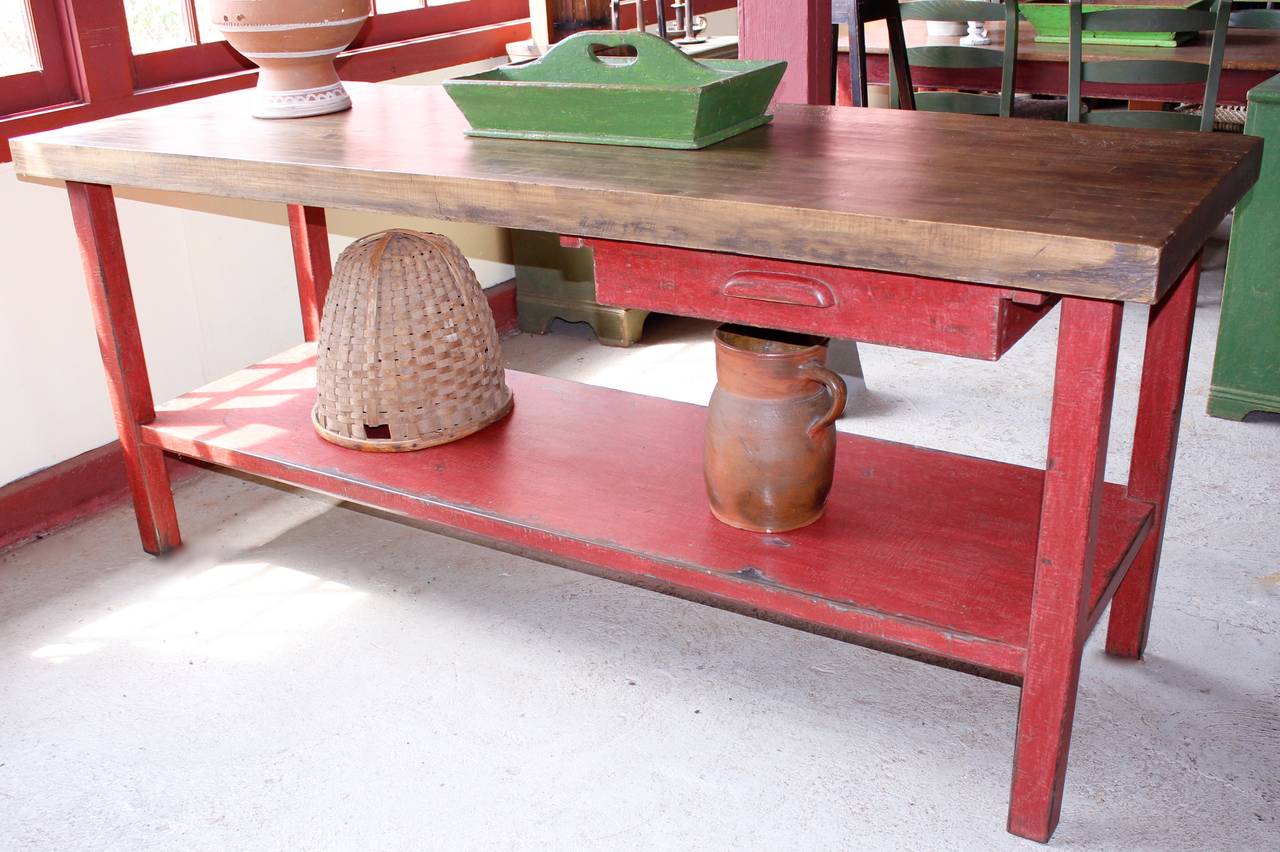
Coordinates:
<point>408,356</point>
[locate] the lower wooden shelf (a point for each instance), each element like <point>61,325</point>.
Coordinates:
<point>921,551</point>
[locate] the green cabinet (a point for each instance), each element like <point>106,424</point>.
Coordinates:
<point>1246,369</point>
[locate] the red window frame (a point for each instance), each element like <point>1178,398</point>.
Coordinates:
<point>196,61</point>
<point>53,83</point>
<point>90,72</point>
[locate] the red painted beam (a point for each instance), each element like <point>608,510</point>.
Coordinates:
<point>311,263</point>
<point>798,31</point>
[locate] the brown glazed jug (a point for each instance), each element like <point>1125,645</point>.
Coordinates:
<point>771,440</point>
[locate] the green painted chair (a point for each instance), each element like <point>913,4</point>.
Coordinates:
<point>965,57</point>
<point>1256,19</point>
<point>1147,71</point>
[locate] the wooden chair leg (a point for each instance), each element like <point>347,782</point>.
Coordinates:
<point>311,262</point>
<point>1155,441</point>
<point>898,62</point>
<point>857,60</point>
<point>93,210</point>
<point>1088,343</point>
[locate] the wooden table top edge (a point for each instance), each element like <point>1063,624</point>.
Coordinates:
<point>1135,270</point>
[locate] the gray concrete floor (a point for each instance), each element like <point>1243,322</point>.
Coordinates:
<point>305,676</point>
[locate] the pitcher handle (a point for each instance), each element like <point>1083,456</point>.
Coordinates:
<point>835,386</point>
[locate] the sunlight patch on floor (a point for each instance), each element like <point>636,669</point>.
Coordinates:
<point>237,610</point>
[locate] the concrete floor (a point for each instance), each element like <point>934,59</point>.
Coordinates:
<point>305,676</point>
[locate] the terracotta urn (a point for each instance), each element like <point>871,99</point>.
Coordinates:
<point>771,439</point>
<point>294,43</point>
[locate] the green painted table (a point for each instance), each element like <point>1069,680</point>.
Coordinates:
<point>1246,369</point>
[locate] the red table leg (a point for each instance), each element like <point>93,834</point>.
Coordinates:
<point>1088,343</point>
<point>311,260</point>
<point>1155,440</point>
<point>93,210</point>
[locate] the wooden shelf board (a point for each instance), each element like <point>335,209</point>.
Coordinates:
<point>925,551</point>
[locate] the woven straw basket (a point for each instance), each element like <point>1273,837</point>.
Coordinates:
<point>408,355</point>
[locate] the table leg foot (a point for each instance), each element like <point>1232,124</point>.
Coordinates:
<point>1155,441</point>
<point>1088,345</point>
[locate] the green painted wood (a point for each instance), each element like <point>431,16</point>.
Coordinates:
<point>1256,19</point>
<point>964,56</point>
<point>660,98</point>
<point>1148,119</point>
<point>955,56</point>
<point>1137,20</point>
<point>1246,368</point>
<point>952,10</point>
<point>1146,71</point>
<point>1052,24</point>
<point>970,103</point>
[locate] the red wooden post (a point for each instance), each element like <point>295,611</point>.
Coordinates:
<point>93,210</point>
<point>1088,342</point>
<point>1155,441</point>
<point>799,32</point>
<point>311,261</point>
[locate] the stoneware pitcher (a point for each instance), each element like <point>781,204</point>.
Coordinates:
<point>771,439</point>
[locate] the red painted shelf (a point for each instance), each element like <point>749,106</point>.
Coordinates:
<point>926,551</point>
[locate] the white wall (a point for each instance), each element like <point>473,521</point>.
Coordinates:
<point>214,285</point>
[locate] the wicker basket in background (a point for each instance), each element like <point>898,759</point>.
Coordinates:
<point>408,356</point>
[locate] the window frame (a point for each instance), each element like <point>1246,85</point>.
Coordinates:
<point>90,72</point>
<point>53,82</point>
<point>196,61</point>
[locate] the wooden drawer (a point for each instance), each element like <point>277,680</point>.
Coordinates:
<point>970,320</point>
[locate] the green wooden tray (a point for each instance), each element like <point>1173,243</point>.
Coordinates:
<point>659,98</point>
<point>1053,25</point>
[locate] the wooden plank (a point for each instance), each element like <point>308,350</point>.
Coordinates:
<point>927,551</point>
<point>874,189</point>
<point>312,266</point>
<point>93,211</point>
<point>875,307</point>
<point>1068,565</point>
<point>1155,442</point>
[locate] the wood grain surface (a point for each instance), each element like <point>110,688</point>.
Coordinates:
<point>1247,50</point>
<point>1092,211</point>
<point>928,551</point>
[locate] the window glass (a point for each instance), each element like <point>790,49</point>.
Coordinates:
<point>158,24</point>
<point>18,52</point>
<point>204,22</point>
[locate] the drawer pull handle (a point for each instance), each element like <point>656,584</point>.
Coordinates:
<point>779,287</point>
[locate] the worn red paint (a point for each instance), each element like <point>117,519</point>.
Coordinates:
<point>93,211</point>
<point>995,566</point>
<point>1066,560</point>
<point>934,551</point>
<point>876,307</point>
<point>1155,443</point>
<point>311,263</point>
<point>798,31</point>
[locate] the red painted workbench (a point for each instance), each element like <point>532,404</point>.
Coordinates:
<point>866,224</point>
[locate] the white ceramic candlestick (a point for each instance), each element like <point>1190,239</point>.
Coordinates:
<point>977,34</point>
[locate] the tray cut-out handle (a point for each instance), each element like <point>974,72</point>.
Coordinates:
<point>656,61</point>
